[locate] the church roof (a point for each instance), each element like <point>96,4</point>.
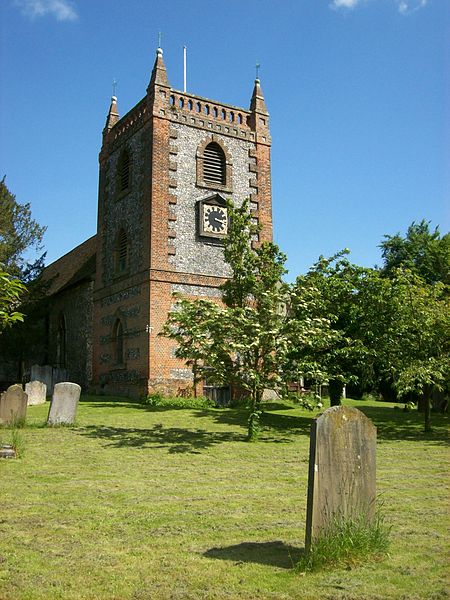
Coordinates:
<point>75,266</point>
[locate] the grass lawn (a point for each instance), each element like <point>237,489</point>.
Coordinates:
<point>138,503</point>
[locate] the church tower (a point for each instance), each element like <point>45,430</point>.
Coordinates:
<point>166,170</point>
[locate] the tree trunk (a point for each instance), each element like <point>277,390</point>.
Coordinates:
<point>427,400</point>
<point>335,388</point>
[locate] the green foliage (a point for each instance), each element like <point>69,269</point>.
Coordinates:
<point>347,542</point>
<point>19,232</point>
<point>254,426</point>
<point>11,290</point>
<point>421,250</point>
<point>249,340</point>
<point>157,400</point>
<point>17,441</point>
<point>310,401</point>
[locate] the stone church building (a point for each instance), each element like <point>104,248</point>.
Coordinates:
<point>166,169</point>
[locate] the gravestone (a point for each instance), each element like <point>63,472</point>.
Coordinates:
<point>36,391</point>
<point>13,405</point>
<point>63,408</point>
<point>342,462</point>
<point>43,373</point>
<point>7,451</point>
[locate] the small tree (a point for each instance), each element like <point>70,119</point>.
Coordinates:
<point>341,353</point>
<point>247,340</point>
<point>412,339</point>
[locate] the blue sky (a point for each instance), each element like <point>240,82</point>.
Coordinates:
<point>357,90</point>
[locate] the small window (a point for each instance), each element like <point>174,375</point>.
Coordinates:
<point>123,171</point>
<point>214,164</point>
<point>118,341</point>
<point>121,252</point>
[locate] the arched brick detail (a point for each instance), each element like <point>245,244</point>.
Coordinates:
<point>228,186</point>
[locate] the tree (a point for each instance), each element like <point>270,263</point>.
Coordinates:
<point>341,356</point>
<point>19,233</point>
<point>246,340</point>
<point>407,325</point>
<point>10,292</point>
<point>422,251</point>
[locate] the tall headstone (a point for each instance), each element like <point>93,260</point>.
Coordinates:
<point>36,392</point>
<point>13,405</point>
<point>342,465</point>
<point>63,408</point>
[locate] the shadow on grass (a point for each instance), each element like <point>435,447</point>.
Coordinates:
<point>394,424</point>
<point>275,554</point>
<point>391,424</point>
<point>175,439</point>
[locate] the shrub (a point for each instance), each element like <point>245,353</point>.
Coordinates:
<point>308,400</point>
<point>157,400</point>
<point>347,542</point>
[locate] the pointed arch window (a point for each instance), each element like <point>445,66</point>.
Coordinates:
<point>118,342</point>
<point>61,338</point>
<point>124,172</point>
<point>121,253</point>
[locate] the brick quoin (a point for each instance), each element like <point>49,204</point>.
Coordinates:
<point>164,135</point>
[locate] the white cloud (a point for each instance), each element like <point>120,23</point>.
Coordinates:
<point>405,7</point>
<point>62,10</point>
<point>344,3</point>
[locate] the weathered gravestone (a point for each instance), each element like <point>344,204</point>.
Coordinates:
<point>43,373</point>
<point>342,462</point>
<point>13,405</point>
<point>36,392</point>
<point>63,408</point>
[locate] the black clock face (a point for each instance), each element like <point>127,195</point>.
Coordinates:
<point>215,219</point>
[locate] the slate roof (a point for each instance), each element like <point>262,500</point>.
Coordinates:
<point>75,266</point>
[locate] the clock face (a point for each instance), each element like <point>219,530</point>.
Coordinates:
<point>215,220</point>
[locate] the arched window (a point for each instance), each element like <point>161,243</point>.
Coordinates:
<point>123,171</point>
<point>118,341</point>
<point>121,252</point>
<point>61,342</point>
<point>214,164</point>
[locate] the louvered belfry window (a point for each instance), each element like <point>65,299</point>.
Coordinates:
<point>121,251</point>
<point>124,171</point>
<point>214,164</point>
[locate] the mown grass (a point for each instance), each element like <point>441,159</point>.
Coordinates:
<point>141,503</point>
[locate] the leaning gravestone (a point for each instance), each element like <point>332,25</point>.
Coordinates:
<point>342,481</point>
<point>36,391</point>
<point>13,405</point>
<point>63,408</point>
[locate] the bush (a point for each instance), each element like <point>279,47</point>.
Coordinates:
<point>157,400</point>
<point>308,400</point>
<point>347,542</point>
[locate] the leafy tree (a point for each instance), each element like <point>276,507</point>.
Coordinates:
<point>407,326</point>
<point>421,250</point>
<point>10,291</point>
<point>19,236</point>
<point>341,356</point>
<point>246,340</point>
<point>19,233</point>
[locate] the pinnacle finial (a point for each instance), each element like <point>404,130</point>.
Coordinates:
<point>257,67</point>
<point>114,88</point>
